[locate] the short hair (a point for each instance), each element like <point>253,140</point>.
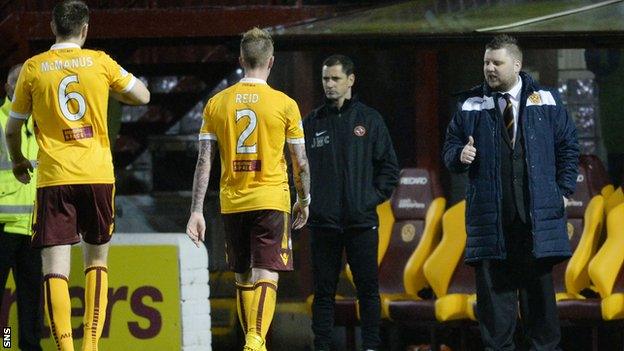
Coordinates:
<point>256,47</point>
<point>69,16</point>
<point>14,74</point>
<point>347,64</point>
<point>504,41</point>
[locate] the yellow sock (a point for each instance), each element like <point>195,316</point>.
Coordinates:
<point>244,299</point>
<point>58,310</point>
<point>261,313</point>
<point>96,299</point>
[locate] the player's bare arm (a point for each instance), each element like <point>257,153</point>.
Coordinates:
<point>21,166</point>
<point>196,226</point>
<point>301,174</point>
<point>138,95</point>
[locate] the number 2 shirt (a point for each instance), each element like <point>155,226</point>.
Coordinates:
<point>66,90</point>
<point>251,123</point>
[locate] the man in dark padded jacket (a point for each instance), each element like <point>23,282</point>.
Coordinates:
<point>520,149</point>
<point>353,169</point>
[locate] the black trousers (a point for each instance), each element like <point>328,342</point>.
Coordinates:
<point>360,246</point>
<point>16,254</point>
<point>521,280</point>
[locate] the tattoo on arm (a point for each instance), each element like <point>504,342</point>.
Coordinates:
<point>202,174</point>
<point>301,169</point>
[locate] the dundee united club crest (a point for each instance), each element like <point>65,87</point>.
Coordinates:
<point>359,131</point>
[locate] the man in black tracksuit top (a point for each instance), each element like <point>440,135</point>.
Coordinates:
<point>353,169</point>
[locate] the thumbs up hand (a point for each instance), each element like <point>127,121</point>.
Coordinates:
<point>469,152</point>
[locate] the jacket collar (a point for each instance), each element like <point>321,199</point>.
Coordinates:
<point>347,105</point>
<point>528,85</point>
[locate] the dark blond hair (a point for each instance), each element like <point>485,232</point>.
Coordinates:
<point>256,47</point>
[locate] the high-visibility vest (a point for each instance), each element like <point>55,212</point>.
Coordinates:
<point>16,199</point>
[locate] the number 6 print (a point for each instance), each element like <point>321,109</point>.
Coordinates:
<point>64,98</point>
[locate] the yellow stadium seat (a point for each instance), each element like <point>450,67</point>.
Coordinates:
<point>576,274</point>
<point>607,190</point>
<point>605,270</point>
<point>616,198</point>
<point>451,280</point>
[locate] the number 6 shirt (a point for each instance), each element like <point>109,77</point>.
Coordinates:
<point>251,123</point>
<point>66,91</point>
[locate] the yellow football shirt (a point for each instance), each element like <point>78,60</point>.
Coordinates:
<point>66,91</point>
<point>251,123</point>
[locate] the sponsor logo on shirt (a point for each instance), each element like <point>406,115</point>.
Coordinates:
<point>247,165</point>
<point>78,133</point>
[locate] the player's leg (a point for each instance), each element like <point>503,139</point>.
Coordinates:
<point>262,307</point>
<point>54,230</point>
<point>55,262</point>
<point>236,227</point>
<point>95,220</point>
<point>28,280</point>
<point>244,297</point>
<point>271,252</point>
<point>96,293</point>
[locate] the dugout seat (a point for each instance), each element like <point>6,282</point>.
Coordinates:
<point>451,280</point>
<point>616,198</point>
<point>585,246</point>
<point>597,174</point>
<point>584,211</point>
<point>605,272</point>
<point>606,269</point>
<point>417,207</point>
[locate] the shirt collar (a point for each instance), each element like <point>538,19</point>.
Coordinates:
<point>253,80</point>
<point>59,46</point>
<point>514,92</point>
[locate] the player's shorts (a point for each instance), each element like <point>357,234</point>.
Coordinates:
<point>65,212</point>
<point>258,239</point>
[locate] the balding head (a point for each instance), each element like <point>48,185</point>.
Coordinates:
<point>9,87</point>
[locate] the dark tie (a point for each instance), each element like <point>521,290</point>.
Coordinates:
<point>508,117</point>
